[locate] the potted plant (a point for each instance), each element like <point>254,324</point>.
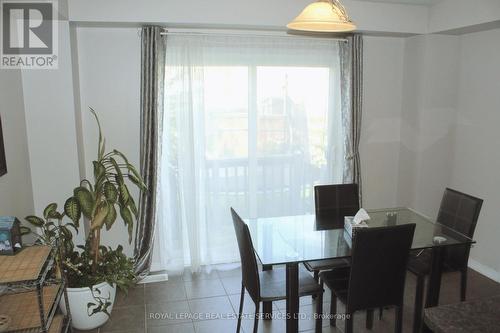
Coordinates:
<point>94,271</point>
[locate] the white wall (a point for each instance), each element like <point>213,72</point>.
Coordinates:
<point>436,121</point>
<point>370,16</point>
<point>263,14</point>
<point>51,131</point>
<point>448,131</point>
<point>409,129</point>
<point>476,161</point>
<point>109,69</point>
<point>428,121</point>
<point>15,187</point>
<point>380,135</point>
<point>462,15</point>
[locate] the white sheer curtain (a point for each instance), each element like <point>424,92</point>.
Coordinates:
<point>249,122</point>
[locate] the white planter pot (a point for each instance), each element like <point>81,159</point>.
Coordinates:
<point>79,298</point>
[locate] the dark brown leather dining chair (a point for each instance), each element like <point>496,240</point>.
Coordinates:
<point>267,286</point>
<point>460,212</point>
<point>332,204</point>
<point>377,274</point>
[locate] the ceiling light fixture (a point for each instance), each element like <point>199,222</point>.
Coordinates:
<point>323,16</point>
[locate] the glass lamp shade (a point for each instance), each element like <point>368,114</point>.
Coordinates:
<point>321,16</point>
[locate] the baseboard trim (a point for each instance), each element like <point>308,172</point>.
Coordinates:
<point>156,274</point>
<point>485,270</point>
<point>154,278</point>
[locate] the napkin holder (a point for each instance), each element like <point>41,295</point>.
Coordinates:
<point>350,227</point>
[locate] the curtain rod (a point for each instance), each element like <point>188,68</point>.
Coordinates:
<point>192,33</point>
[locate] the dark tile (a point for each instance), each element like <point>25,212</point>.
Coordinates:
<point>205,273</point>
<point>379,326</point>
<point>170,313</point>
<point>177,328</point>
<point>232,284</point>
<point>277,325</point>
<point>386,324</point>
<point>164,292</point>
<point>306,300</point>
<point>89,331</point>
<point>326,329</point>
<point>248,304</point>
<point>135,296</point>
<point>124,319</point>
<point>211,326</point>
<point>479,286</point>
<point>142,330</point>
<point>204,288</point>
<point>307,320</point>
<point>211,308</point>
<point>229,271</point>
<point>129,318</point>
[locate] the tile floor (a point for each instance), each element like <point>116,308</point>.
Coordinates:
<point>164,307</point>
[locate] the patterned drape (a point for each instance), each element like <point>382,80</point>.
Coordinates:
<point>351,57</point>
<point>152,84</point>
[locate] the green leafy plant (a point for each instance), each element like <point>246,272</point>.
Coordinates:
<point>114,267</point>
<point>100,202</point>
<point>109,194</point>
<point>54,232</point>
<point>53,229</point>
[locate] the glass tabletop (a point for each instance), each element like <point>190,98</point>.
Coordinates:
<point>292,239</point>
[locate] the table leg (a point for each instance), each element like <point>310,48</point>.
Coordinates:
<point>435,277</point>
<point>292,298</point>
<point>267,307</point>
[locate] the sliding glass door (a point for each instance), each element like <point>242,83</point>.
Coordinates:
<point>249,124</point>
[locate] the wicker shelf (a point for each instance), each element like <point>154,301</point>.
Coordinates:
<point>23,308</point>
<point>27,270</point>
<point>29,292</point>
<point>26,266</point>
<point>59,325</point>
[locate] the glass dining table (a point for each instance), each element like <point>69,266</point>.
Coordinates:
<point>291,240</point>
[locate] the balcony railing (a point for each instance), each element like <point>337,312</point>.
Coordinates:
<point>278,184</point>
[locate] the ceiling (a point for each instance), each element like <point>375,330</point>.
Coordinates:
<point>413,2</point>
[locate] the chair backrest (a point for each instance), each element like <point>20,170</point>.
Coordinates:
<point>460,212</point>
<point>378,268</point>
<point>249,268</point>
<point>333,202</point>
